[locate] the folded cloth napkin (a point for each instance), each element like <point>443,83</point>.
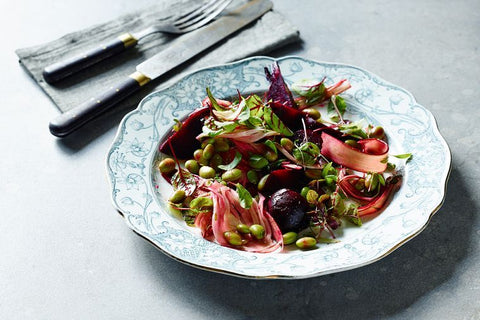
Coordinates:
<point>271,31</point>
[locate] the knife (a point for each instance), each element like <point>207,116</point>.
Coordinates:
<point>179,52</point>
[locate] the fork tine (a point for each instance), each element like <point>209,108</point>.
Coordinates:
<point>194,12</point>
<point>204,18</point>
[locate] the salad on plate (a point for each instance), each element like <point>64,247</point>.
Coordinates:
<point>262,171</point>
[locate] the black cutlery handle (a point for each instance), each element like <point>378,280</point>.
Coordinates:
<point>73,119</point>
<point>62,69</point>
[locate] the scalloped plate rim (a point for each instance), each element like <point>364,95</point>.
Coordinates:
<point>416,232</point>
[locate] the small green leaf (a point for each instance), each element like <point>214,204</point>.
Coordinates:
<point>306,153</point>
<point>274,123</point>
<point>352,215</point>
<point>233,164</point>
<point>255,122</point>
<point>339,204</point>
<point>355,220</point>
<point>329,170</point>
<point>178,125</point>
<point>381,179</point>
<point>391,166</point>
<point>244,196</point>
<point>312,92</point>
<point>245,113</point>
<point>257,161</point>
<point>254,103</point>
<point>336,108</point>
<point>271,145</point>
<point>213,101</point>
<point>406,156</point>
<point>354,129</point>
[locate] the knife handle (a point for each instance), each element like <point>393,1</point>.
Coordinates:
<point>62,69</point>
<point>73,119</point>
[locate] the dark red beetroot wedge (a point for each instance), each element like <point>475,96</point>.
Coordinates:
<point>284,178</point>
<point>291,117</point>
<point>288,208</point>
<point>184,141</point>
<point>278,91</point>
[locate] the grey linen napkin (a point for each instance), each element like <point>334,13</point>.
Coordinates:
<point>269,32</point>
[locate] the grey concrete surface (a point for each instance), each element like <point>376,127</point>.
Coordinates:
<point>66,254</point>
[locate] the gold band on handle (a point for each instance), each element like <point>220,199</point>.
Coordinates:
<point>140,78</point>
<point>128,40</point>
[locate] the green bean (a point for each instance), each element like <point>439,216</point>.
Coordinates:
<point>167,165</point>
<point>177,197</point>
<point>206,172</point>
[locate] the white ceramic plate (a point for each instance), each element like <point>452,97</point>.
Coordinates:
<point>139,194</point>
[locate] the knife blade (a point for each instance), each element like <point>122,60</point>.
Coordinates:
<point>179,52</point>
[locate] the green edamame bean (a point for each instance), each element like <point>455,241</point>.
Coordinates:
<point>216,161</point>
<point>192,166</point>
<point>205,142</point>
<point>198,154</point>
<point>313,113</point>
<point>206,172</point>
<point>306,243</point>
<point>290,237</point>
<point>262,182</point>
<point>258,231</point>
<point>233,238</point>
<point>287,144</point>
<point>177,196</point>
<point>270,155</point>
<point>221,145</point>
<point>257,161</point>
<point>209,151</point>
<point>352,143</point>
<point>232,175</point>
<point>167,165</point>
<point>243,228</point>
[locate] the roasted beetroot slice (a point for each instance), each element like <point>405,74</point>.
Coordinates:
<point>289,210</point>
<point>291,117</point>
<point>183,141</point>
<point>278,91</point>
<point>284,178</point>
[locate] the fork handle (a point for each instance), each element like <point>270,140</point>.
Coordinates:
<point>62,69</point>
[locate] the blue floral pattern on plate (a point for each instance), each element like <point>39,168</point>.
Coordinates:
<point>139,193</point>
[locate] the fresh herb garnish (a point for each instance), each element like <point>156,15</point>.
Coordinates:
<point>245,197</point>
<point>336,109</point>
<point>233,164</point>
<point>310,92</point>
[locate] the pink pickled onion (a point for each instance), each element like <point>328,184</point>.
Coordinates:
<point>228,213</point>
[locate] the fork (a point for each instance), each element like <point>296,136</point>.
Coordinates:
<point>181,23</point>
